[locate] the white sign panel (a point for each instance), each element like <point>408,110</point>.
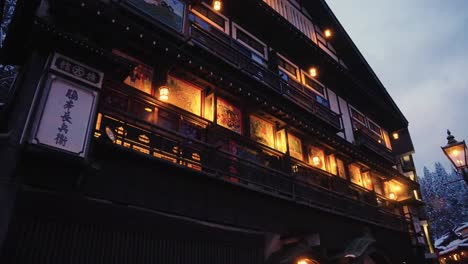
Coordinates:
<point>66,119</point>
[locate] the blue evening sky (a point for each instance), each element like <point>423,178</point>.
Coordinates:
<point>419,50</point>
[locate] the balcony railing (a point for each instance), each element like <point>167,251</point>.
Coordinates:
<point>306,186</point>
<point>233,53</point>
<point>364,137</point>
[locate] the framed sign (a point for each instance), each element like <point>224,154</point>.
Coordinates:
<point>66,116</point>
<point>77,70</point>
<point>169,12</point>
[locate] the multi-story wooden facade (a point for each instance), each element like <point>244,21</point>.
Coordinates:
<point>171,131</point>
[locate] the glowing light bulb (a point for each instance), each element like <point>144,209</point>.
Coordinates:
<point>313,72</point>
<point>217,5</point>
<point>455,152</point>
<point>316,161</point>
<point>164,93</point>
<point>328,33</point>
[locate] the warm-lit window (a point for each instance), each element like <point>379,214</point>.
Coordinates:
<point>262,131</point>
<point>228,116</point>
<point>341,168</point>
<point>281,141</point>
<point>378,184</point>
<point>287,69</point>
<point>295,147</point>
<point>366,180</point>
<point>211,17</point>
<point>258,48</point>
<point>316,157</point>
<point>184,95</point>
<point>355,174</point>
<point>209,107</point>
<point>395,190</point>
<point>142,75</point>
<point>313,84</point>
<point>331,164</point>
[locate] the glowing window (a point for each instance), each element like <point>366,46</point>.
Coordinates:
<point>295,147</point>
<point>184,95</point>
<point>262,131</point>
<point>316,157</point>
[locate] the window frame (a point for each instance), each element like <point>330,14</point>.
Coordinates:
<point>351,109</point>
<point>236,27</point>
<point>298,70</point>
<point>290,137</point>
<point>266,121</point>
<point>369,121</point>
<point>192,85</point>
<point>304,74</point>
<point>226,28</point>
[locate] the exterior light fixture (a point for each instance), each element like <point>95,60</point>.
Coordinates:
<point>328,33</point>
<point>217,5</point>
<point>306,261</point>
<point>396,136</point>
<point>313,71</point>
<point>457,153</point>
<point>316,161</point>
<point>148,109</point>
<point>164,93</point>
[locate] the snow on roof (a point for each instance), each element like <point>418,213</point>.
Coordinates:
<point>461,227</point>
<point>440,240</point>
<point>454,245</point>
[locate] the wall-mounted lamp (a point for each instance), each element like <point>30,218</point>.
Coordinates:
<point>395,136</point>
<point>217,5</point>
<point>328,33</point>
<point>313,71</point>
<point>163,93</point>
<point>316,161</point>
<point>307,261</point>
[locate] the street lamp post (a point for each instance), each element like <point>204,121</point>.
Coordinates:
<point>457,153</point>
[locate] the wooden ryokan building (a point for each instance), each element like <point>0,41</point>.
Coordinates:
<point>171,131</point>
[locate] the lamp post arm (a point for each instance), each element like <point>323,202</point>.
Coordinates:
<point>463,173</point>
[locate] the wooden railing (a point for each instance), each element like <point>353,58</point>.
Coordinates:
<point>294,16</point>
<point>233,53</point>
<point>364,137</point>
<point>306,185</point>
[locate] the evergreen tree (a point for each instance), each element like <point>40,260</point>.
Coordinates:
<point>445,197</point>
<point>7,72</point>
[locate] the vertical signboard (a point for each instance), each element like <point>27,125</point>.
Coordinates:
<point>66,115</point>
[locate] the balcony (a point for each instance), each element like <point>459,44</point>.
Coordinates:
<point>365,138</point>
<point>407,164</point>
<point>305,185</point>
<point>233,53</point>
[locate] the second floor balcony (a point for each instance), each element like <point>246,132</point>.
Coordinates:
<point>193,144</point>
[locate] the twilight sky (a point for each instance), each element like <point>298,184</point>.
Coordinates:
<point>419,50</point>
